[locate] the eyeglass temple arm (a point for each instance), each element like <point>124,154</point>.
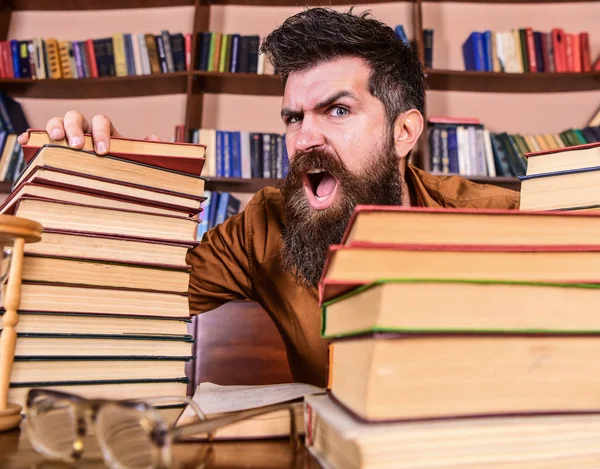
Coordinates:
<point>189,401</point>
<point>209,426</point>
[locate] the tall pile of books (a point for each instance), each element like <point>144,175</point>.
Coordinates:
<point>460,339</point>
<point>104,308</point>
<point>563,179</point>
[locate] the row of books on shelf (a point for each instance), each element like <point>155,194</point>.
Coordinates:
<point>464,146</point>
<point>122,54</point>
<point>242,154</point>
<point>525,50</point>
<point>232,53</point>
<point>217,208</point>
<point>427,43</point>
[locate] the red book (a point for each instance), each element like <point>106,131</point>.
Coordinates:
<point>558,45</point>
<point>569,56</point>
<point>182,157</point>
<point>576,53</point>
<point>584,44</point>
<point>188,50</point>
<point>531,50</point>
<point>92,57</point>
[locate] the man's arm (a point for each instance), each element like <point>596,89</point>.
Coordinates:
<point>221,269</point>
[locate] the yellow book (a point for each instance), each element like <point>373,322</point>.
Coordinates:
<point>120,57</point>
<point>53,58</point>
<point>65,61</point>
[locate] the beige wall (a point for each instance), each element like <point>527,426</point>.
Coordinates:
<point>452,22</point>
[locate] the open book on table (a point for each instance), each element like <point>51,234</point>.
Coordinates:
<point>215,400</point>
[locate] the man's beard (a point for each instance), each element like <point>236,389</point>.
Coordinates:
<point>308,233</point>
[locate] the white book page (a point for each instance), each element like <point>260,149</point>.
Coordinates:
<point>213,398</point>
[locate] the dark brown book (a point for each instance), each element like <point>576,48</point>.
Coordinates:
<point>152,53</point>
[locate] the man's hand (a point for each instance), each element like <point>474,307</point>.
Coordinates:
<point>72,127</point>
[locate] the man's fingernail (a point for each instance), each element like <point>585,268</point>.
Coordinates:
<point>75,141</point>
<point>56,134</point>
<point>101,147</point>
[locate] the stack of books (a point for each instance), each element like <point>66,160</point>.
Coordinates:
<point>562,179</point>
<point>104,308</point>
<point>475,347</point>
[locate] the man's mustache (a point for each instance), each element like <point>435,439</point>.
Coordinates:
<point>304,161</point>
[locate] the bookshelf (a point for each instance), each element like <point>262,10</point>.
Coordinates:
<point>195,84</point>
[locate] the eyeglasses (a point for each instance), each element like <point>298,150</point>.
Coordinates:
<point>131,434</point>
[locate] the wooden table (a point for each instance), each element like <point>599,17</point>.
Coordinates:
<point>16,453</point>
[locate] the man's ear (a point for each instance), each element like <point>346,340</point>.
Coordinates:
<point>407,130</point>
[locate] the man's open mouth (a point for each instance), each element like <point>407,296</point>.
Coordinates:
<point>320,187</point>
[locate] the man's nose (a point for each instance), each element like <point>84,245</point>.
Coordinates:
<point>309,136</point>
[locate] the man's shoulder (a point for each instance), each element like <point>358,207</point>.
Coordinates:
<point>458,192</point>
<point>266,207</point>
<point>266,199</point>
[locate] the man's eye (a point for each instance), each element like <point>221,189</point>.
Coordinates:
<point>338,111</point>
<point>292,120</point>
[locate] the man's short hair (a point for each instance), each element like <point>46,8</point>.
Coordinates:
<point>318,35</point>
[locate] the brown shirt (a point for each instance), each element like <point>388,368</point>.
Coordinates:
<point>239,259</point>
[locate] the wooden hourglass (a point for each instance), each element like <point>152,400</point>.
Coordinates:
<point>14,233</point>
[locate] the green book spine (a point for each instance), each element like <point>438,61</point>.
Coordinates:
<point>524,56</point>
<point>223,55</point>
<point>580,136</point>
<point>211,52</point>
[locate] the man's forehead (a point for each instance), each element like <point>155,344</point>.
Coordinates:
<point>306,88</point>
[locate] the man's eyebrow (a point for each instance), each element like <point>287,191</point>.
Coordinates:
<point>288,113</point>
<point>334,97</point>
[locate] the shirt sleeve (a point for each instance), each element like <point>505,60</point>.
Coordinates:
<point>220,265</point>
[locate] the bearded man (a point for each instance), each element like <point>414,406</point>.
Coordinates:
<point>353,111</point>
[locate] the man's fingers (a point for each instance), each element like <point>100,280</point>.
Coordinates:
<point>23,138</point>
<point>102,131</point>
<point>55,128</point>
<point>153,138</point>
<point>75,125</point>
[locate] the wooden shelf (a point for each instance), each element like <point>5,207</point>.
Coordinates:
<point>239,185</point>
<point>495,82</point>
<point>88,88</point>
<point>270,85</point>
<point>502,181</point>
<point>238,83</point>
<point>48,5</point>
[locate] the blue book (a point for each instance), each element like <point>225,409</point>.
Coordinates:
<point>14,49</point>
<point>452,151</point>
<point>401,34</point>
<point>220,154</point>
<point>488,55</point>
<point>235,147</point>
<point>129,54</point>
<point>285,159</point>
<point>212,209</point>
<point>235,47</point>
<point>226,154</point>
<point>473,53</point>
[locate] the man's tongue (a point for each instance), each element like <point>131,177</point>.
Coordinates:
<point>326,186</point>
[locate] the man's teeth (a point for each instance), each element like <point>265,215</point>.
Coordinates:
<point>321,199</point>
<point>315,171</point>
